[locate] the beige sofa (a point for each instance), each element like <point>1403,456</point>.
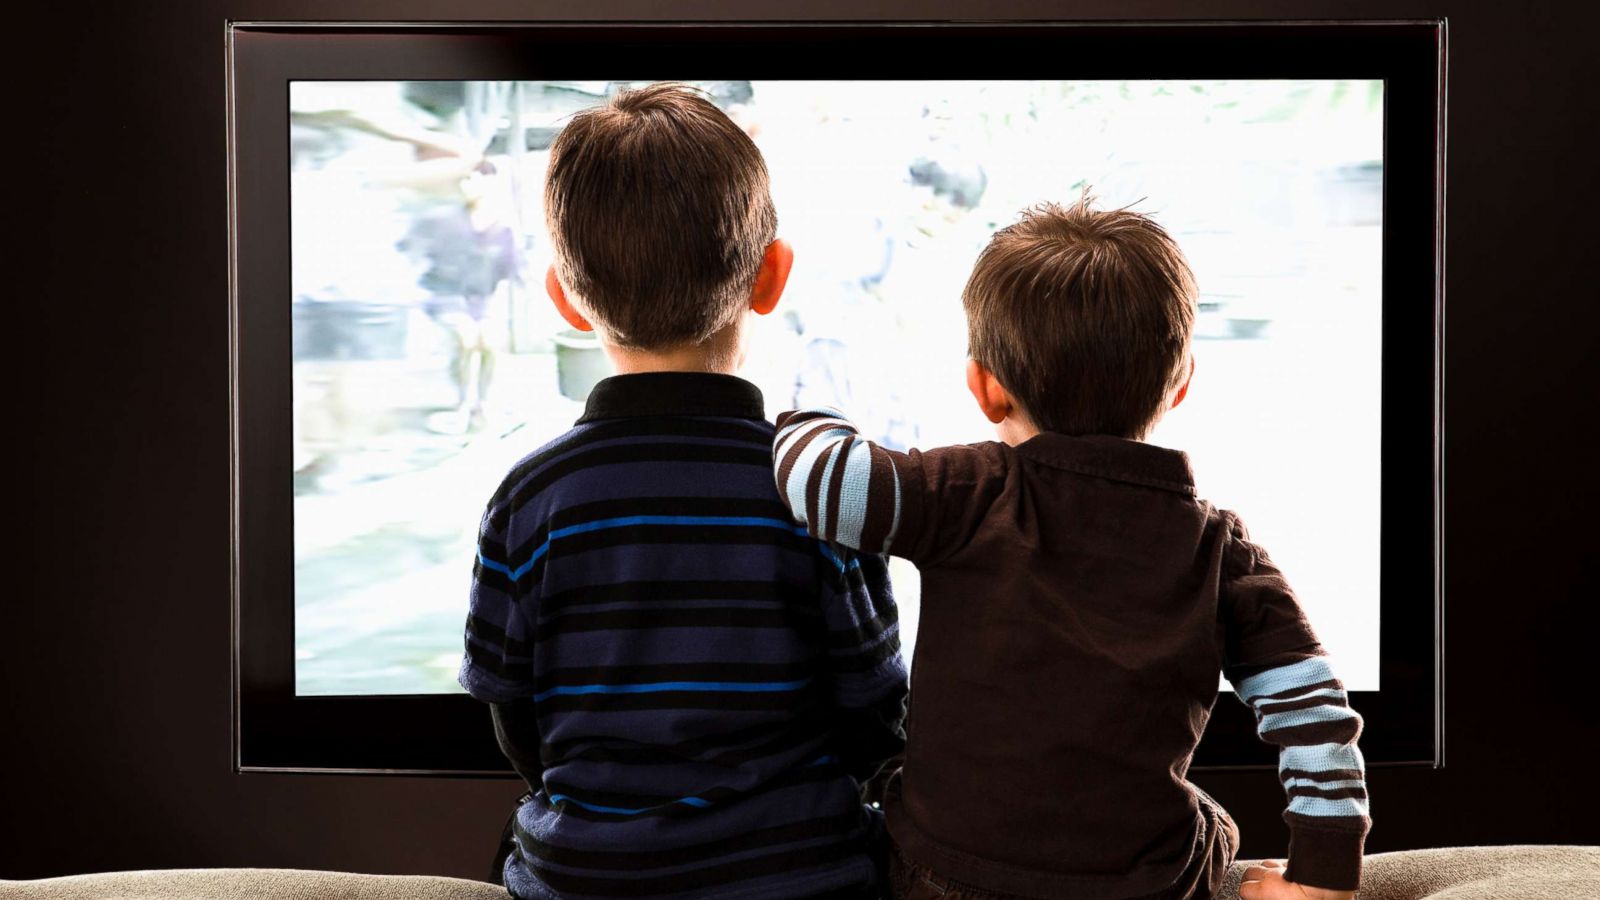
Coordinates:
<point>1451,873</point>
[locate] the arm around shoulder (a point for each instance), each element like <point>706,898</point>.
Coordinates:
<point>850,491</point>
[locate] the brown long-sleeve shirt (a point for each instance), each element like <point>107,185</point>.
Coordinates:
<point>1078,603</point>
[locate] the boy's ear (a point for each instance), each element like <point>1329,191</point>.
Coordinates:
<point>558,296</point>
<point>773,276</point>
<point>992,398</point>
<point>1183,390</point>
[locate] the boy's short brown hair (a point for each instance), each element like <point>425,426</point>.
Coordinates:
<point>1084,316</point>
<point>659,211</point>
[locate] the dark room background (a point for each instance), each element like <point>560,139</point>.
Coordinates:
<point>116,723</point>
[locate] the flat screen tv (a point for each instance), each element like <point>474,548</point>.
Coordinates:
<point>394,353</point>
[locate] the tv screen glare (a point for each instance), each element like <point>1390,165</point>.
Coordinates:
<point>396,353</point>
<point>428,358</point>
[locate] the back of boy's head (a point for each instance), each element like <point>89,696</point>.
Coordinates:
<point>659,211</point>
<point>1084,316</point>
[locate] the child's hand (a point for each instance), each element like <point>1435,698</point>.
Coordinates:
<point>1266,882</point>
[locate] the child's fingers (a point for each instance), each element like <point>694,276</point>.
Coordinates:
<point>1262,882</point>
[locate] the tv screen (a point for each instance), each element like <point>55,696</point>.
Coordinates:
<point>408,355</point>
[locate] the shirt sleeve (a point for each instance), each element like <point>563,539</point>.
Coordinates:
<point>864,666</point>
<point>1279,669</point>
<point>921,505</point>
<point>498,664</point>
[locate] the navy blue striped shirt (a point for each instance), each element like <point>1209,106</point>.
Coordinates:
<point>693,686</point>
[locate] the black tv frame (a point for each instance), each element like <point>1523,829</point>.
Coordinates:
<point>450,735</point>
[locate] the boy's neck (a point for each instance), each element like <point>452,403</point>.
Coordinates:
<point>1016,428</point>
<point>721,353</point>
<point>634,362</point>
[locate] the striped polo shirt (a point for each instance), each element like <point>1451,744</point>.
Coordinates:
<point>702,684</point>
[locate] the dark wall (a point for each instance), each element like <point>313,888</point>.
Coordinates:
<point>116,715</point>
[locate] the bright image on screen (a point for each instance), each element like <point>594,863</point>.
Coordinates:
<point>427,358</point>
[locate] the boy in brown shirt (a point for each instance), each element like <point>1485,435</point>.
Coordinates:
<point>1079,600</point>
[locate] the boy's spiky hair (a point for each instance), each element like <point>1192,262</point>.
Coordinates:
<point>1084,316</point>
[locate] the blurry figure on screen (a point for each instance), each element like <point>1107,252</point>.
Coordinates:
<point>1079,599</point>
<point>882,267</point>
<point>842,305</point>
<point>683,676</point>
<point>938,242</point>
<point>470,253</point>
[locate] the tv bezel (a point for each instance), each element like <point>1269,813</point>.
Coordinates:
<point>450,734</point>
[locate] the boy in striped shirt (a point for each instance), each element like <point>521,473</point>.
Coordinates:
<point>1079,599</point>
<point>694,688</point>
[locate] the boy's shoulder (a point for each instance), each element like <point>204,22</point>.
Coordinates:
<point>568,468</point>
<point>524,480</point>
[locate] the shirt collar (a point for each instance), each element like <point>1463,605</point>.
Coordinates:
<point>674,394</point>
<point>1118,459</point>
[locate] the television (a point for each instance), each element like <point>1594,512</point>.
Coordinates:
<point>393,352</point>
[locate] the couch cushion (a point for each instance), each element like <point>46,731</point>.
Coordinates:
<point>1534,871</point>
<point>249,884</point>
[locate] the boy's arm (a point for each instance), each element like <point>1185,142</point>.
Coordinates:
<point>847,490</point>
<point>864,665</point>
<point>497,667</point>
<point>1278,668</point>
<point>516,729</point>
